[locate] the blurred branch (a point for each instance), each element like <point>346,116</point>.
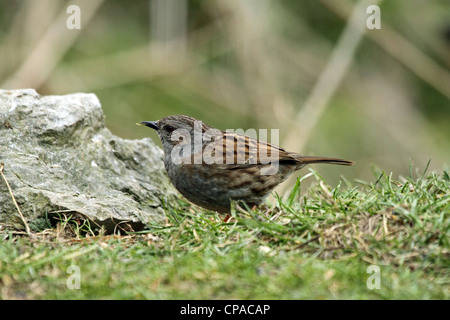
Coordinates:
<point>414,59</point>
<point>246,26</point>
<point>329,79</point>
<point>29,22</point>
<point>390,41</point>
<point>392,114</point>
<point>168,25</point>
<point>402,50</point>
<point>50,49</point>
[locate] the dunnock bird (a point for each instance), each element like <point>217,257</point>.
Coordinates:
<point>211,167</point>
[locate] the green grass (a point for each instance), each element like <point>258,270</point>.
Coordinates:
<point>315,245</point>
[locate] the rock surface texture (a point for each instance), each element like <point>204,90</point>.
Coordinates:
<point>59,158</point>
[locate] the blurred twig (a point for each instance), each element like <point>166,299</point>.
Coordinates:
<point>246,27</point>
<point>50,49</point>
<point>29,22</point>
<point>168,25</point>
<point>329,79</point>
<point>403,50</point>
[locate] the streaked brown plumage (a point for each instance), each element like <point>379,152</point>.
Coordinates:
<point>224,166</point>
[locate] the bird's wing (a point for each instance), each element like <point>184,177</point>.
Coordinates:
<point>236,151</point>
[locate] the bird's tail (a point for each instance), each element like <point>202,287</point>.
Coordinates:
<point>311,159</point>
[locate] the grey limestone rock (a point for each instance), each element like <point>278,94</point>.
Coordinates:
<point>59,157</point>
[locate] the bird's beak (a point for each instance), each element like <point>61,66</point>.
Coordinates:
<point>151,124</point>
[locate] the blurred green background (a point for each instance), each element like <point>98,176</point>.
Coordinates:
<point>380,97</point>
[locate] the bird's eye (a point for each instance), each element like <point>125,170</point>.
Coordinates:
<point>169,129</point>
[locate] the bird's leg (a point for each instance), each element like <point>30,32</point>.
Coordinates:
<point>228,217</point>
